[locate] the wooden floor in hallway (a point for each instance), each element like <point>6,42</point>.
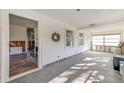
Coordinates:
<point>20,63</point>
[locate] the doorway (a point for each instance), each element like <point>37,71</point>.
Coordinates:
<point>23,45</point>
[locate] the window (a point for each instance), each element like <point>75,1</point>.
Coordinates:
<point>106,40</point>
<point>97,40</point>
<point>69,38</point>
<point>81,39</point>
<point>112,40</point>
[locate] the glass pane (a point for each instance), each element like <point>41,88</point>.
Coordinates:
<point>97,40</point>
<point>81,38</point>
<point>69,38</point>
<point>112,40</point>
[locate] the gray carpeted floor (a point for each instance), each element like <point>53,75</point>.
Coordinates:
<point>88,67</point>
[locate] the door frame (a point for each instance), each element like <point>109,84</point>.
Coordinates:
<point>5,41</point>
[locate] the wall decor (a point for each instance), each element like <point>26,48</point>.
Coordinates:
<point>56,37</point>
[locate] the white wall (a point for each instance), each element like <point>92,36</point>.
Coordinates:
<point>103,29</point>
<point>0,46</point>
<point>4,46</point>
<point>54,49</point>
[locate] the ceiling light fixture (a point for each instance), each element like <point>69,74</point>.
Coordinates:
<point>91,25</point>
<point>77,9</point>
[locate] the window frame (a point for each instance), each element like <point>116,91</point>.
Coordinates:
<point>81,39</point>
<point>69,38</point>
<point>111,38</point>
<point>104,40</point>
<point>98,36</point>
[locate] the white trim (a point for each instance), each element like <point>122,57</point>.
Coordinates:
<point>5,46</point>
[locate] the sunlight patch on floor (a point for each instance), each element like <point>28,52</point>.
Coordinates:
<point>101,77</point>
<point>97,59</point>
<point>95,78</point>
<point>92,79</point>
<point>94,73</point>
<point>82,78</point>
<point>102,59</point>
<point>80,64</point>
<point>74,67</point>
<point>62,77</point>
<point>88,59</point>
<point>85,67</point>
<point>91,64</point>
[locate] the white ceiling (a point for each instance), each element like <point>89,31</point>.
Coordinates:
<point>84,17</point>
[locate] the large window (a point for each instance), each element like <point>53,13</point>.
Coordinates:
<point>69,38</point>
<point>106,40</point>
<point>112,40</point>
<point>81,39</point>
<point>97,40</point>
